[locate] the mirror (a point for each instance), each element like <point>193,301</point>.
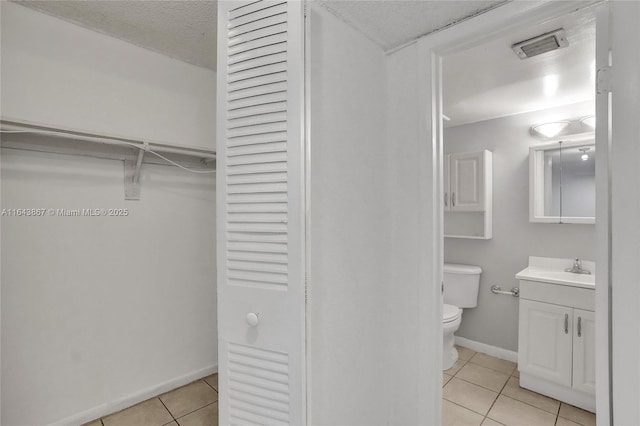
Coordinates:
<point>562,182</point>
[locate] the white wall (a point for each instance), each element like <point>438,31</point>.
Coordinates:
<point>62,75</point>
<point>415,354</point>
<point>495,320</point>
<point>98,311</point>
<point>350,229</point>
<point>625,210</point>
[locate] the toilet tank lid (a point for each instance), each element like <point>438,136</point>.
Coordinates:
<point>455,268</point>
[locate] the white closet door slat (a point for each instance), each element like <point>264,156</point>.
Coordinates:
<point>260,61</point>
<point>257,39</point>
<point>258,100</point>
<point>259,15</point>
<point>256,53</point>
<point>258,34</point>
<point>262,89</point>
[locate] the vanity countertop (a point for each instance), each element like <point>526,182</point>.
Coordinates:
<point>552,270</point>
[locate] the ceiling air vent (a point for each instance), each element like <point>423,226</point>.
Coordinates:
<point>541,44</point>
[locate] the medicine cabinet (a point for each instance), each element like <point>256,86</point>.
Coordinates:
<point>468,195</point>
<point>562,182</point>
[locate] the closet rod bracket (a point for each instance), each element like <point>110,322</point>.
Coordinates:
<point>132,175</point>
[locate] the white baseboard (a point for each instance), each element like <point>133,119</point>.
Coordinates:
<point>487,349</point>
<point>129,400</point>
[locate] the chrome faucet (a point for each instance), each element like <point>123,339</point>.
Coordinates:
<point>577,268</point>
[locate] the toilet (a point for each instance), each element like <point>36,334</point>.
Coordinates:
<point>461,283</point>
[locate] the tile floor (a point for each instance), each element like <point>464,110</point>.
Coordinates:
<point>195,404</point>
<point>482,390</point>
<point>478,390</point>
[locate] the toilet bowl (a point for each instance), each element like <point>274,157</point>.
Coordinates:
<point>451,319</point>
<point>461,284</point>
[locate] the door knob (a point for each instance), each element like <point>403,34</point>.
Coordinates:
<point>253,319</point>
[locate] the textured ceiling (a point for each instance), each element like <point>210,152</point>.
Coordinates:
<point>500,84</point>
<point>392,23</point>
<point>184,29</point>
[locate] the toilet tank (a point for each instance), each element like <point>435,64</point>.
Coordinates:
<point>461,284</point>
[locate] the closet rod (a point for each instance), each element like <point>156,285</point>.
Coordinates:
<point>20,127</point>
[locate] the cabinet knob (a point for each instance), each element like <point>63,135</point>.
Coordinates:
<point>566,323</point>
<point>453,199</point>
<point>446,199</point>
<point>253,319</point>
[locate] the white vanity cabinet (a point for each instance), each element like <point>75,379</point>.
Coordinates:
<point>468,194</point>
<point>556,341</point>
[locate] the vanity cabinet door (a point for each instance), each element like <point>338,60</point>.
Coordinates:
<point>584,351</point>
<point>466,181</point>
<point>545,341</point>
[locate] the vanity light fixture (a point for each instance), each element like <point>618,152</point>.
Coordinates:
<point>589,120</point>
<point>549,130</point>
<point>584,156</point>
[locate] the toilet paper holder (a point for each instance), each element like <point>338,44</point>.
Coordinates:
<point>515,291</point>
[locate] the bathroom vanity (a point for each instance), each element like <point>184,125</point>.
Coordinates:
<point>556,339</point>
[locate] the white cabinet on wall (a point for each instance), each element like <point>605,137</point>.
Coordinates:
<point>556,342</point>
<point>465,182</point>
<point>468,195</point>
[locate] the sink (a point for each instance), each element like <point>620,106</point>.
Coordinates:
<point>552,270</point>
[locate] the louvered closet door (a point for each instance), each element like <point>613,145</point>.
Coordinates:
<point>260,179</point>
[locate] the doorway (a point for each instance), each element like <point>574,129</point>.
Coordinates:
<point>434,52</point>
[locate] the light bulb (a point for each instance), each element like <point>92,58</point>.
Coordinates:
<point>584,157</point>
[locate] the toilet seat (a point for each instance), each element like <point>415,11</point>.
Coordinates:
<point>450,313</point>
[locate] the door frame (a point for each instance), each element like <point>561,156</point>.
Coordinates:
<point>431,50</point>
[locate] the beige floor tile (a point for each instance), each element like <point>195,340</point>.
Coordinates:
<point>468,395</point>
<point>456,367</point>
<point>513,390</point>
<point>173,423</point>
<point>510,412</point>
<point>501,365</point>
<point>189,398</point>
<point>516,373</point>
<point>489,422</point>
<point>94,423</point>
<point>577,415</point>
<point>148,413</point>
<point>455,415</point>
<point>564,422</point>
<point>485,377</point>
<point>465,353</point>
<point>212,380</point>
<point>445,379</point>
<point>207,416</point>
